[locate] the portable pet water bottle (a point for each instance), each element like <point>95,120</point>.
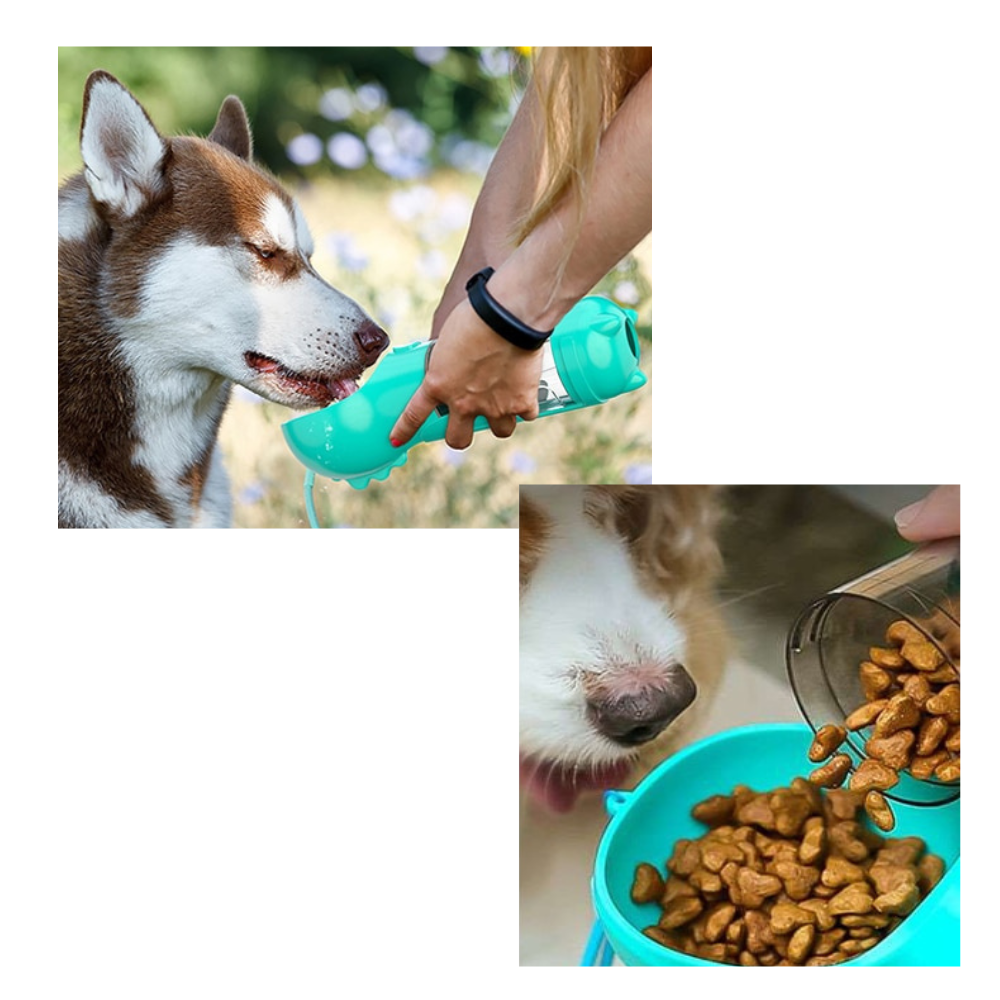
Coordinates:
<point>591,356</point>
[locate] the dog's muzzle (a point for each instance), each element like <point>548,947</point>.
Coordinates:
<point>636,717</point>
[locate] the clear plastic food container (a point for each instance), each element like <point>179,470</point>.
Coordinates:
<point>833,636</point>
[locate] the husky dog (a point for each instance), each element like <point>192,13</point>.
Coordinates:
<point>183,268</point>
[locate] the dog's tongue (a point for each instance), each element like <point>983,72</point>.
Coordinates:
<point>557,787</point>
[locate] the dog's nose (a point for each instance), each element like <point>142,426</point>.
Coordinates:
<point>636,717</point>
<point>372,340</point>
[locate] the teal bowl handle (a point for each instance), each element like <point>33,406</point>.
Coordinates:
<point>614,800</point>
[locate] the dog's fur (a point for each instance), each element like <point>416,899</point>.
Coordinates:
<point>617,618</point>
<point>183,268</point>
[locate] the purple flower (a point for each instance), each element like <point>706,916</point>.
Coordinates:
<point>305,149</point>
<point>453,456</point>
<point>252,493</point>
<point>347,151</point>
<point>522,462</point>
<point>639,475</point>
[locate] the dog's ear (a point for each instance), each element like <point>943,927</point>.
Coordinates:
<point>232,128</point>
<point>123,154</point>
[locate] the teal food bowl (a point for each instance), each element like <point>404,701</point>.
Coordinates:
<point>646,822</point>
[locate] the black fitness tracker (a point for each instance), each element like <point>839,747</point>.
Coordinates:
<point>499,319</point>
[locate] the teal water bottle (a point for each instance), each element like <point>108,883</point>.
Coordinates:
<point>592,356</point>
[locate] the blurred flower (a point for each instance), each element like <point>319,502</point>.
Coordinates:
<point>496,62</point>
<point>407,204</point>
<point>433,265</point>
<point>252,493</point>
<point>639,475</point>
<point>336,104</point>
<point>370,97</point>
<point>522,462</point>
<point>626,293</point>
<point>305,149</point>
<point>400,145</point>
<point>453,457</point>
<point>466,154</point>
<point>429,54</point>
<point>349,255</point>
<point>347,151</point>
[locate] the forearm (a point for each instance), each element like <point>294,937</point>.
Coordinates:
<point>506,195</point>
<point>618,215</point>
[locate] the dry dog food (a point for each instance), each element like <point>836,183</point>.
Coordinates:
<point>912,707</point>
<point>787,877</point>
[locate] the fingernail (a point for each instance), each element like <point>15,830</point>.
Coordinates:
<point>909,514</point>
<point>394,442</point>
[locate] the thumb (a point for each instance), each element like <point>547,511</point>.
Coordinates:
<point>936,516</point>
<point>416,411</point>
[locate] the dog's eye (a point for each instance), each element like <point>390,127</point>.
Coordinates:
<point>263,252</point>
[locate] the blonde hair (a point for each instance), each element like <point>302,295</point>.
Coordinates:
<point>578,91</point>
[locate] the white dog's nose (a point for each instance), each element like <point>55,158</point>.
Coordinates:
<point>631,716</point>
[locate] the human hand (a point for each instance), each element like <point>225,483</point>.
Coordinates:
<point>474,372</point>
<point>936,516</point>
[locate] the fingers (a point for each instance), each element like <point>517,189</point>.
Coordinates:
<point>502,427</point>
<point>417,410</point>
<point>936,516</point>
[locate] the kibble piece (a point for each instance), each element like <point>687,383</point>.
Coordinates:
<point>833,772</point>
<point>953,742</point>
<point>756,811</point>
<point>918,687</point>
<point>799,879</point>
<point>889,658</point>
<point>785,917</point>
<point>924,767</point>
<point>647,887</point>
<point>901,632</point>
<point>685,859</point>
<point>813,846</point>
<point>932,731</point>
<point>945,702</point>
<point>865,715</point>
<point>801,944</point>
<point>902,712</point>
<point>755,887</point>
<point>879,811</point>
<point>790,811</point>
<point>846,840</point>
<point>901,899</point>
<point>873,774</point>
<point>715,810</point>
<point>874,680</point>
<point>717,919</point>
<point>856,898</point>
<point>840,872</point>
<point>950,770</point>
<point>660,936</point>
<point>826,740</point>
<point>894,751</point>
<point>922,654</point>
<point>680,911</point>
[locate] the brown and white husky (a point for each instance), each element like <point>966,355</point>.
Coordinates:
<point>183,268</point>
